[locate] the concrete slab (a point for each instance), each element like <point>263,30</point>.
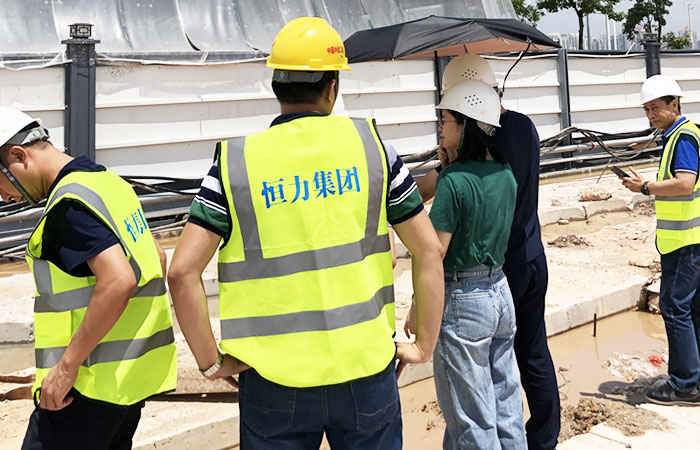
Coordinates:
<point>188,425</point>
<point>17,309</point>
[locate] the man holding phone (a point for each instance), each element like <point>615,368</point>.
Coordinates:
<point>677,238</point>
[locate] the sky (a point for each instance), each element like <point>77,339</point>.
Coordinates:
<point>567,22</point>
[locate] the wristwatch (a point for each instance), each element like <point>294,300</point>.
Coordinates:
<point>214,367</point>
<point>645,188</point>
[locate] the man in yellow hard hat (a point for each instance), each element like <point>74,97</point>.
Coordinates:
<point>103,337</point>
<point>676,192</point>
<point>305,278</point>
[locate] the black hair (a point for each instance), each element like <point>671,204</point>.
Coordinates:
<point>475,144</point>
<point>291,93</point>
<point>669,98</point>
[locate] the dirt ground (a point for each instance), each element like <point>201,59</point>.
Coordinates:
<point>619,244</point>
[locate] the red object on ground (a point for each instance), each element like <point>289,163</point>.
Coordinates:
<point>656,360</point>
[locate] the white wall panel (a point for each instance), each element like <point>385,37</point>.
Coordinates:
<point>684,68</point>
<point>152,113</point>
<point>39,93</point>
<point>532,88</point>
<point>165,120</point>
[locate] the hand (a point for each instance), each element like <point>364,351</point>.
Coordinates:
<point>409,354</point>
<point>229,367</point>
<point>442,156</point>
<point>55,387</point>
<point>633,183</point>
<point>638,145</point>
<point>410,326</point>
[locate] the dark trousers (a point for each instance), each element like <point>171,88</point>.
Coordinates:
<point>528,284</point>
<point>361,414</point>
<point>679,302</point>
<point>84,424</point>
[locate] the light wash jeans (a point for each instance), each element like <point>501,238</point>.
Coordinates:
<point>476,373</point>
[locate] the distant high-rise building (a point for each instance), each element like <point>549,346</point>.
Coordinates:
<point>567,41</point>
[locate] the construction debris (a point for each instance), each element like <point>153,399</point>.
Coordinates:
<point>649,296</point>
<point>646,209</point>
<point>630,367</point>
<point>631,421</point>
<point>566,241</point>
<point>593,194</point>
<point>15,391</point>
<point>21,376</point>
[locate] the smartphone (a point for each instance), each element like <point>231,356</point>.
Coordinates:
<point>619,172</point>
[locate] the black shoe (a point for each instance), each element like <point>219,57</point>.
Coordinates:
<point>664,394</point>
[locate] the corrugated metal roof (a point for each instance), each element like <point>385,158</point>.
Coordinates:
<point>242,27</point>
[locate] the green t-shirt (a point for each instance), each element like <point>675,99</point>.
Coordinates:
<point>475,202</point>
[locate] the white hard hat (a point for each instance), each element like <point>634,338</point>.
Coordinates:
<point>12,122</point>
<point>658,86</point>
<point>474,99</point>
<point>467,67</point>
<point>18,128</point>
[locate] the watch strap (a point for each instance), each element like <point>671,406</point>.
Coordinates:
<point>214,367</point>
<point>645,188</point>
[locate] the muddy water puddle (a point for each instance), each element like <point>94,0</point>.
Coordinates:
<point>579,357</point>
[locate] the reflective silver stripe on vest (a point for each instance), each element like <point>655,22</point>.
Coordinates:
<point>680,130</point>
<point>301,262</point>
<point>47,301</point>
<point>679,198</point>
<point>257,267</point>
<point>96,202</point>
<point>243,200</point>
<point>298,322</point>
<point>108,351</point>
<point>677,225</point>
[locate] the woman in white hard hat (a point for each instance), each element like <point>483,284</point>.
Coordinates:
<point>476,374</point>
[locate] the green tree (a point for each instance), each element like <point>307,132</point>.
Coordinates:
<point>649,14</point>
<point>527,13</point>
<point>582,8</point>
<point>676,42</point>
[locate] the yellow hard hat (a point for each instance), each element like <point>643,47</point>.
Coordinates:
<point>308,44</point>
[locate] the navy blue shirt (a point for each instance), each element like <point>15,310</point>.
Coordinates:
<point>517,140</point>
<point>73,234</point>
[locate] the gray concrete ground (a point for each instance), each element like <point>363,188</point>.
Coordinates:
<point>583,282</point>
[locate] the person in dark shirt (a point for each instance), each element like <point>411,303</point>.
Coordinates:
<point>525,262</point>
<point>79,245</point>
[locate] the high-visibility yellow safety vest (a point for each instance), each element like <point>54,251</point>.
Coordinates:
<point>305,278</point>
<point>677,218</point>
<point>137,358</point>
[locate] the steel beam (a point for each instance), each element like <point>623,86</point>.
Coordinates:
<point>79,126</point>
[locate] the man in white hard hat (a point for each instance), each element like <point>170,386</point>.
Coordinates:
<point>103,334</point>
<point>525,262</point>
<point>676,192</point>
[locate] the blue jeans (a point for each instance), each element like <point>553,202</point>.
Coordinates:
<point>360,414</point>
<point>679,301</point>
<point>476,374</point>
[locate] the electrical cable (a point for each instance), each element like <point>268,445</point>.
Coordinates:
<point>503,88</point>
